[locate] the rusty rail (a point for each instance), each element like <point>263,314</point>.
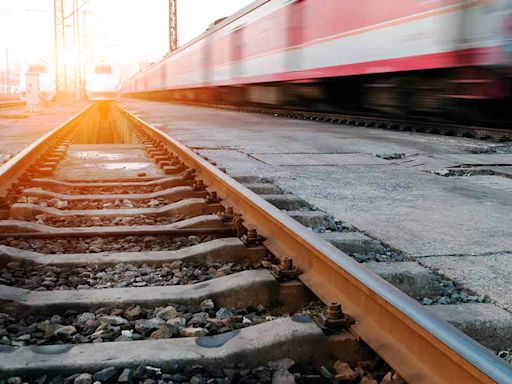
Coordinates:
<point>418,345</point>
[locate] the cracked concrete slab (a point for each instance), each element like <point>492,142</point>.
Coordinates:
<point>298,159</point>
<point>399,201</point>
<point>477,158</point>
<point>493,182</point>
<point>421,214</point>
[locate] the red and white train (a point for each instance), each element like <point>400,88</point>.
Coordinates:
<point>103,82</point>
<point>412,56</point>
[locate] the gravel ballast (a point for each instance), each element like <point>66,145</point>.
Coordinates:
<point>105,244</point>
<point>43,278</point>
<point>282,371</point>
<point>133,323</point>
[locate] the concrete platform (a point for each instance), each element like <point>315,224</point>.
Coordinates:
<point>336,169</point>
<point>88,162</point>
<point>31,125</point>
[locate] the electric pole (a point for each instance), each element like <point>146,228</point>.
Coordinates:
<point>68,84</point>
<point>173,25</point>
<point>60,45</point>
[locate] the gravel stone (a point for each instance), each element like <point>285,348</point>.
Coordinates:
<point>126,376</point>
<point>207,305</point>
<point>452,294</point>
<point>66,331</point>
<point>167,313</point>
<point>282,376</point>
<point>224,313</point>
<point>344,373</point>
<point>84,378</point>
<point>105,375</point>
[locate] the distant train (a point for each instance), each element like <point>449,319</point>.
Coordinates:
<point>419,57</point>
<point>103,82</point>
<point>47,85</point>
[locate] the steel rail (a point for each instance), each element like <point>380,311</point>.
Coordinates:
<point>418,345</point>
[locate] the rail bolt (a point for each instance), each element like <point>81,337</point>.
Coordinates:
<point>188,175</point>
<point>238,224</point>
<point>199,185</point>
<point>334,311</point>
<point>334,319</point>
<point>251,238</point>
<point>212,198</point>
<point>227,215</point>
<point>287,263</point>
<point>286,270</point>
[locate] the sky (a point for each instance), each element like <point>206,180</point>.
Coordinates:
<point>123,32</point>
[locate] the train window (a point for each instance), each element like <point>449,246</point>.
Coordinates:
<point>103,69</point>
<point>237,45</point>
<point>296,23</point>
<point>36,68</point>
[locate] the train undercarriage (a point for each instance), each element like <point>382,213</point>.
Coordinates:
<point>462,95</point>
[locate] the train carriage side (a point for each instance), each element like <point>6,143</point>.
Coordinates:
<point>413,57</point>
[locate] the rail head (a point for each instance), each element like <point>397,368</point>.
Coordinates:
<point>418,345</point>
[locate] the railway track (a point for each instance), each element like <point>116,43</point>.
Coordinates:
<point>127,257</point>
<point>374,121</point>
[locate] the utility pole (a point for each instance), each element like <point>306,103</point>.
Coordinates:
<point>77,59</point>
<point>60,45</point>
<point>173,25</point>
<point>68,84</point>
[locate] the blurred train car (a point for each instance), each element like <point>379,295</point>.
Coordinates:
<point>47,85</point>
<point>414,57</point>
<point>103,82</point>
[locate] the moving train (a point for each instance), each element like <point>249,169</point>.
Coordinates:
<point>103,82</point>
<point>413,57</point>
<point>47,84</point>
